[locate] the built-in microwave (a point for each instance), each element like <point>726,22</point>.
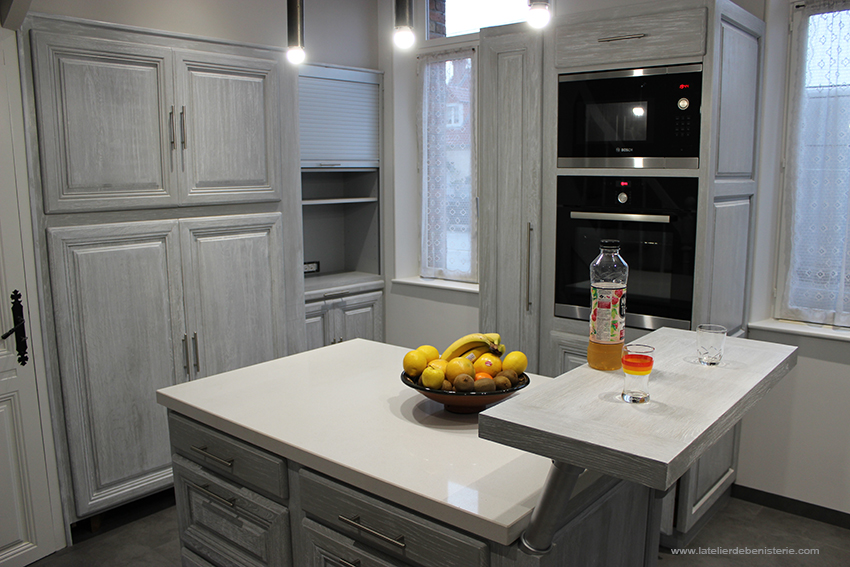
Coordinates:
<point>634,118</point>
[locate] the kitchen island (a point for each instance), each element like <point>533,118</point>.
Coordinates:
<point>327,456</point>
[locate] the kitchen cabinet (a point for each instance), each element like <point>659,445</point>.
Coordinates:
<point>345,312</point>
<point>128,125</point>
<point>133,317</point>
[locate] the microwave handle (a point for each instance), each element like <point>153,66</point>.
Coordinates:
<point>620,217</point>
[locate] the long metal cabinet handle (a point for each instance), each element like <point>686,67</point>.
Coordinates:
<point>186,353</point>
<point>206,490</point>
<point>355,521</point>
<point>171,127</point>
<point>528,270</point>
<point>619,217</point>
<point>621,37</point>
<point>195,348</point>
<point>203,451</point>
<point>183,126</point>
<point>344,563</point>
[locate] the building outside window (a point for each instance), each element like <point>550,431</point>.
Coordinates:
<point>814,285</point>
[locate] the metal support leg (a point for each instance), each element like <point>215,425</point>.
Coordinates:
<point>546,516</point>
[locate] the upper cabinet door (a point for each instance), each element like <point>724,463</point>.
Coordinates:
<point>227,128</point>
<point>105,128</point>
<point>233,276</point>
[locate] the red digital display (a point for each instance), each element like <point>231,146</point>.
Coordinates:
<point>624,183</point>
<point>683,86</point>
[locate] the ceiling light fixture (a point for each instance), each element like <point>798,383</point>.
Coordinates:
<point>403,36</point>
<point>295,31</point>
<point>538,13</point>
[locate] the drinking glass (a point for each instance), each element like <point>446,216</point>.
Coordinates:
<point>710,341</point>
<point>637,364</point>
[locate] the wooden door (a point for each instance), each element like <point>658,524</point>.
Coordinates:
<point>233,274</point>
<point>228,128</point>
<point>105,123</point>
<point>27,530</point>
<point>361,317</point>
<point>319,324</point>
<point>118,305</point>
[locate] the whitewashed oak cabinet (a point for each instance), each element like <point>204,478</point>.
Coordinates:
<point>165,178</point>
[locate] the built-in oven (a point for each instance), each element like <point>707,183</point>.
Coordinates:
<point>634,118</point>
<point>655,220</point>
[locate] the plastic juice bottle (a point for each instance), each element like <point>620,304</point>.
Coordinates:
<point>608,276</point>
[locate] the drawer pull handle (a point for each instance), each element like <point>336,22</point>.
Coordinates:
<point>205,488</point>
<point>344,563</point>
<point>621,37</point>
<point>330,294</point>
<point>204,452</point>
<point>355,522</point>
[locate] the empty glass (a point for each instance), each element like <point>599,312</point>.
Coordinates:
<point>710,341</point>
<point>637,364</point>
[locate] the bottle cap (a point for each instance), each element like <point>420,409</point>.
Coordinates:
<point>609,243</point>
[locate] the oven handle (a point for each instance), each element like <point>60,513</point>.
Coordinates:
<point>620,217</point>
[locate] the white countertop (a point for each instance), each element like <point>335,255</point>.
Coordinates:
<point>579,418</point>
<point>342,410</point>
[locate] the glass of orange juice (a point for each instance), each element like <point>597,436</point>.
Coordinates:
<point>637,364</point>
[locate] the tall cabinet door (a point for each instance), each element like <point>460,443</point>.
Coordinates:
<point>105,123</point>
<point>233,274</point>
<point>117,297</point>
<point>228,128</point>
<point>510,75</point>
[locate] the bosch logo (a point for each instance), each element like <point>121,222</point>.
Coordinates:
<point>625,150</point>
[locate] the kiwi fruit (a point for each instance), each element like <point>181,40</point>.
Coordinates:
<point>464,383</point>
<point>485,385</point>
<point>511,375</point>
<point>502,382</point>
<point>447,385</point>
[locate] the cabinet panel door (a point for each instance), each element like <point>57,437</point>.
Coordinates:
<point>328,548</point>
<point>117,299</point>
<point>361,317</point>
<point>319,324</point>
<point>233,273</point>
<point>104,123</point>
<point>729,275</point>
<point>227,128</point>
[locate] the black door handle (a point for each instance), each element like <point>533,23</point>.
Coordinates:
<point>19,329</point>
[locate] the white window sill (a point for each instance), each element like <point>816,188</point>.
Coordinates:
<point>804,329</point>
<point>438,284</point>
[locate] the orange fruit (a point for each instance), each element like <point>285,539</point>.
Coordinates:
<point>489,363</point>
<point>439,363</point>
<point>458,366</point>
<point>481,375</point>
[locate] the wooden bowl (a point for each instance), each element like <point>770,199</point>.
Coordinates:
<point>464,402</point>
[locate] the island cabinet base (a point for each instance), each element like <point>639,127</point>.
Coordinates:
<point>236,508</point>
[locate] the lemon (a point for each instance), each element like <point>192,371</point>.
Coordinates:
<point>432,377</point>
<point>439,363</point>
<point>489,363</point>
<point>414,363</point>
<point>458,366</point>
<point>516,361</point>
<point>430,352</point>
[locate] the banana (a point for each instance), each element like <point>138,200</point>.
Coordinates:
<point>468,342</point>
<point>495,337</point>
<point>473,353</point>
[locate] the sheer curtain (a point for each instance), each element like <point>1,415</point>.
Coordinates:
<point>447,122</point>
<point>816,252</point>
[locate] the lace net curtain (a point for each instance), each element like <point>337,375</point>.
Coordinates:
<point>449,212</point>
<point>817,255</point>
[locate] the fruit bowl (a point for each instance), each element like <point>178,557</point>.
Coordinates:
<point>464,402</point>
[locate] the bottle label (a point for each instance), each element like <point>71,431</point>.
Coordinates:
<point>607,314</point>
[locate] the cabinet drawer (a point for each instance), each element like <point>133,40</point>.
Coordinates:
<point>324,546</point>
<point>639,38</point>
<point>189,559</point>
<point>234,459</point>
<point>227,524</point>
<point>387,528</point>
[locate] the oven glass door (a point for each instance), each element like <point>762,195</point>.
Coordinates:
<point>633,118</point>
<point>655,221</point>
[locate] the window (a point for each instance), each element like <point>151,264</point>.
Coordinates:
<point>452,18</point>
<point>449,227</point>
<point>815,286</point>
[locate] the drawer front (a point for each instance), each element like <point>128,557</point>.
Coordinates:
<point>189,559</point>
<point>324,546</point>
<point>234,459</point>
<point>396,532</point>
<point>640,38</point>
<point>227,524</point>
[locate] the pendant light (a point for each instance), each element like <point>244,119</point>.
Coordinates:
<point>538,13</point>
<point>295,31</point>
<point>403,35</point>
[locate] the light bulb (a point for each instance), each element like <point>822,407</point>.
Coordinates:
<point>538,15</point>
<point>296,55</point>
<point>404,37</point>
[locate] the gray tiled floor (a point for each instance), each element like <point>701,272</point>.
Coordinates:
<point>151,541</point>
